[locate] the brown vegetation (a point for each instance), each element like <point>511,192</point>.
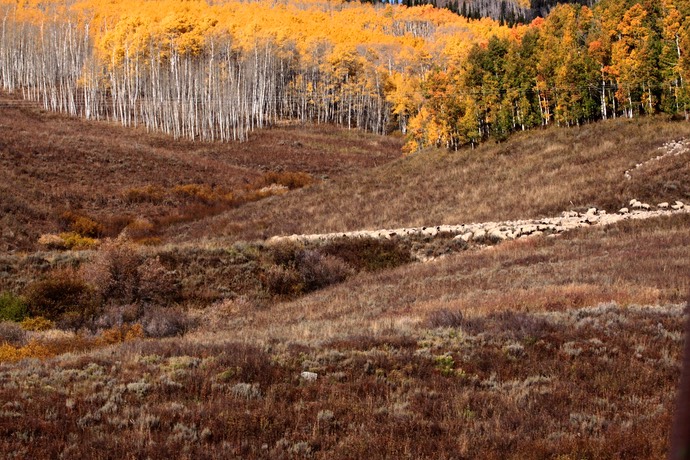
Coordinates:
<point>62,174</point>
<point>532,175</point>
<point>630,263</point>
<point>543,347</point>
<point>594,383</point>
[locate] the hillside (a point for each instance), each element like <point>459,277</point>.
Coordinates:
<point>535,348</point>
<point>169,172</point>
<point>53,164</point>
<point>210,347</point>
<point>534,175</point>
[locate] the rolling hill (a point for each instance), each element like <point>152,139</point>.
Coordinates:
<point>153,303</point>
<point>209,346</point>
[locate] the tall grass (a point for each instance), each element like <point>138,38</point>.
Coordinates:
<point>532,175</point>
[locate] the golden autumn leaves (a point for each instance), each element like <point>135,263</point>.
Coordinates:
<point>218,70</point>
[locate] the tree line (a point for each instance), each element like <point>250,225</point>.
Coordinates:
<point>621,58</point>
<point>216,71</point>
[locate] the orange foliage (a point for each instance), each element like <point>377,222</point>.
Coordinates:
<point>374,56</point>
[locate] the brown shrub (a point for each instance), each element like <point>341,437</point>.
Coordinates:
<point>149,194</point>
<point>369,254</point>
<point>63,297</point>
<point>139,228</point>
<point>114,273</point>
<point>119,334</point>
<point>12,333</point>
<point>82,224</point>
<point>291,180</point>
<point>444,318</point>
<point>319,271</point>
<point>165,322</point>
<point>117,315</point>
<point>264,192</point>
<point>300,270</point>
<point>283,281</point>
<point>198,192</point>
<point>157,284</point>
<point>52,242</point>
<point>114,224</point>
<point>284,253</point>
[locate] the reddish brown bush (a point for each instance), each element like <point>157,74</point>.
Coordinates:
<point>319,271</point>
<point>284,253</point>
<point>12,333</point>
<point>283,281</point>
<point>444,318</point>
<point>63,297</point>
<point>113,272</point>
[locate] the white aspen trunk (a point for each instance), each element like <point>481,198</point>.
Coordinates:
<point>604,114</point>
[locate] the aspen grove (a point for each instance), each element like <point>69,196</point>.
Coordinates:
<point>196,70</point>
<point>217,70</point>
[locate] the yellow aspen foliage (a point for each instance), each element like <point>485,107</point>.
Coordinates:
<point>217,70</point>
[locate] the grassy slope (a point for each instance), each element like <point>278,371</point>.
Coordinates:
<point>51,163</point>
<point>634,262</point>
<point>533,174</point>
<point>497,353</point>
<point>529,371</point>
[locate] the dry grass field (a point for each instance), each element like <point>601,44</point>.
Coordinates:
<point>534,174</point>
<point>114,176</point>
<point>190,336</point>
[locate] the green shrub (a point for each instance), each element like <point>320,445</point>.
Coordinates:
<point>12,308</point>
